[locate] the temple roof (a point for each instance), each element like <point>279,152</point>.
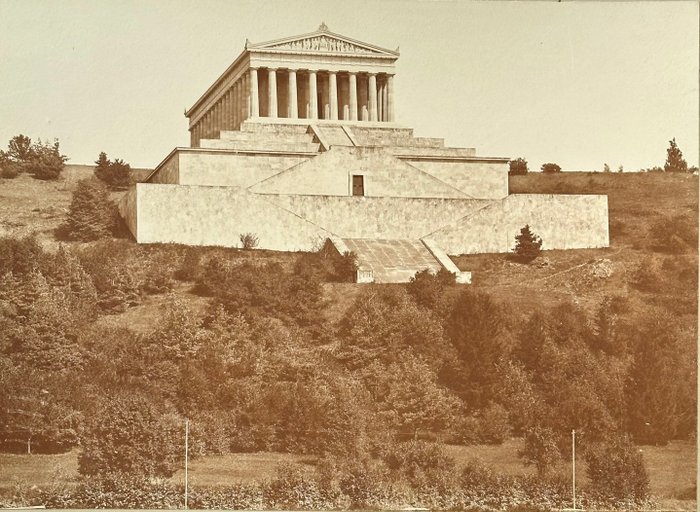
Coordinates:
<point>321,41</point>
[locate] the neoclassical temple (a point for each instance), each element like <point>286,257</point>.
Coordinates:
<point>286,79</point>
<point>299,143</point>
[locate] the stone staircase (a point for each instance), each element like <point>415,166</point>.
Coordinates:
<point>331,135</point>
<point>278,138</point>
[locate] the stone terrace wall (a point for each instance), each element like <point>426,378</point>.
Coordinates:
<point>230,169</point>
<point>220,168</point>
<point>329,174</point>
<point>128,209</point>
<point>196,215</point>
<point>480,180</point>
<point>377,217</point>
<point>169,171</point>
<point>563,222</point>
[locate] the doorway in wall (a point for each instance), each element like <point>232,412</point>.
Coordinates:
<point>358,185</point>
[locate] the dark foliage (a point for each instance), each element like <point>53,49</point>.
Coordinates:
<point>517,167</point>
<point>616,470</point>
<point>116,174</point>
<point>550,168</point>
<point>92,215</point>
<point>41,159</point>
<point>674,158</point>
<point>527,245</point>
<point>129,434</point>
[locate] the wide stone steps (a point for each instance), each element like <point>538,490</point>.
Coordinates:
<point>391,261</point>
<point>332,136</point>
<point>254,136</point>
<point>261,144</point>
<point>273,128</point>
<point>432,152</point>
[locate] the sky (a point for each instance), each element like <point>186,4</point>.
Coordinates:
<point>576,83</point>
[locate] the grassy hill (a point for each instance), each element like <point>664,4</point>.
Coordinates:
<point>652,260</point>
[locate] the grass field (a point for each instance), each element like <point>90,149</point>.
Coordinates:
<point>672,468</point>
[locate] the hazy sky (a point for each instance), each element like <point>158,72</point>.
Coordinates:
<point>576,83</point>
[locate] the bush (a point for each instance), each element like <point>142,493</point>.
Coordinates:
<point>249,240</point>
<point>541,449</point>
<point>427,288</point>
<point>675,235</point>
<point>92,215</point>
<point>616,470</point>
<point>517,167</point>
<point>674,158</point>
<point>130,435</point>
<point>527,245</point>
<point>493,425</point>
<point>421,464</point>
<point>116,174</point>
<point>47,162</point>
<point>550,168</point>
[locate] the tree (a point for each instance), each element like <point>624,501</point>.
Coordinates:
<point>541,449</point>
<point>19,149</point>
<point>130,434</point>
<point>621,168</point>
<point>46,161</point>
<point>616,469</point>
<point>550,168</point>
<point>527,245</point>
<point>518,167</point>
<point>115,173</point>
<point>674,160</point>
<point>606,168</point>
<point>91,215</point>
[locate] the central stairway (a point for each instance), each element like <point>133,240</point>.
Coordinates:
<point>395,261</point>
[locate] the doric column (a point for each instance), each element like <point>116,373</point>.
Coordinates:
<point>272,92</point>
<point>227,110</point>
<point>236,114</point>
<point>293,108</point>
<point>313,96</point>
<point>352,78</point>
<point>243,101</point>
<point>385,99</point>
<point>254,101</point>
<point>372,94</point>
<point>390,98</point>
<point>333,95</point>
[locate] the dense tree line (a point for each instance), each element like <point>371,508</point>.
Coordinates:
<point>263,368</point>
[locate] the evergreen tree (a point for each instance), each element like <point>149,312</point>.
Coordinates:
<point>92,214</point>
<point>46,161</point>
<point>517,167</point>
<point>102,165</point>
<point>527,245</point>
<point>116,174</point>
<point>674,160</point>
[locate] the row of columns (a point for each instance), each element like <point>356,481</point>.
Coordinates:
<point>379,96</point>
<point>363,97</point>
<point>229,111</point>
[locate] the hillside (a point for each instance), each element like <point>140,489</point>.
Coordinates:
<point>274,361</point>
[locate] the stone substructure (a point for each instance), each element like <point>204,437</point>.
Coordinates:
<point>336,166</point>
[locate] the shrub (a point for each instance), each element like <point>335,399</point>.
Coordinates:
<point>130,435</point>
<point>517,167</point>
<point>46,162</point>
<point>92,215</point>
<point>249,240</point>
<point>421,464</point>
<point>427,288</point>
<point>674,235</point>
<point>493,424</point>
<point>550,168</point>
<point>527,245</point>
<point>116,174</point>
<point>541,449</point>
<point>616,470</point>
<point>674,158</point>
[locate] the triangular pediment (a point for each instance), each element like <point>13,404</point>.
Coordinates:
<point>322,41</point>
